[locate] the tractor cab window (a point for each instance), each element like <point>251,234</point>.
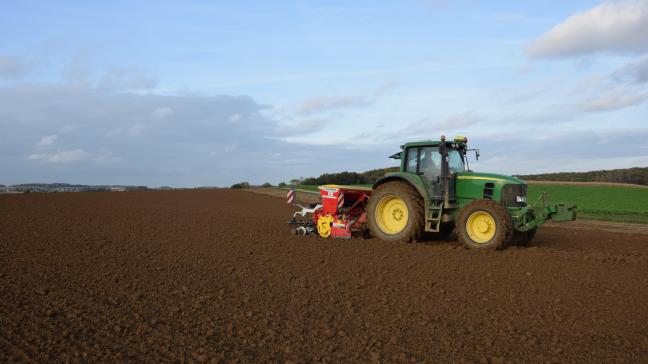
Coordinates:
<point>430,162</point>
<point>425,161</point>
<point>412,160</point>
<point>455,161</point>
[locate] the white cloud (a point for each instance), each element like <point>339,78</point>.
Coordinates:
<point>325,103</point>
<point>459,121</point>
<point>615,26</point>
<point>306,126</point>
<point>80,73</point>
<point>125,78</point>
<point>428,127</point>
<point>614,100</point>
<point>636,72</point>
<point>109,144</point>
<point>425,128</point>
<point>136,129</point>
<point>48,140</point>
<point>162,112</point>
<point>65,156</point>
<point>233,119</point>
<point>11,67</point>
<point>384,88</point>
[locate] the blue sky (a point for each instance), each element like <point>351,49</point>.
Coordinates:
<point>207,93</point>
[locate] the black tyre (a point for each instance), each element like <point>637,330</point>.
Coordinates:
<point>484,224</point>
<point>396,212</point>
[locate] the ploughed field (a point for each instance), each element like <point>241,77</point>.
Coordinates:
<point>214,276</point>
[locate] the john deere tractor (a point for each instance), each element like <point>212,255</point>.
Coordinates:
<point>435,192</point>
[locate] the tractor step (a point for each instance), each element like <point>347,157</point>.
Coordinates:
<point>435,215</point>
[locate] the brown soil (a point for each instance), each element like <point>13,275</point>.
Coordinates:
<point>214,276</point>
<point>302,197</point>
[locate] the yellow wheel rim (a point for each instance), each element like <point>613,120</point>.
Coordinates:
<point>481,227</point>
<point>324,226</point>
<point>392,215</point>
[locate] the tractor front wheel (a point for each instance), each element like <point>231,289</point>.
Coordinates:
<point>395,212</point>
<point>484,224</point>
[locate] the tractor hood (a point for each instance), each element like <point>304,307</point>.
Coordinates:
<point>472,186</point>
<point>488,177</point>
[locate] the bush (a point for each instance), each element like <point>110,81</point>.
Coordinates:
<point>240,185</point>
<point>267,184</point>
<point>282,184</point>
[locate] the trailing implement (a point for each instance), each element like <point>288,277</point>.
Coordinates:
<point>340,213</point>
<point>434,191</point>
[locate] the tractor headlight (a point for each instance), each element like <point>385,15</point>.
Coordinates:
<point>514,195</point>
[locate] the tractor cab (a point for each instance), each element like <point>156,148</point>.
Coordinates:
<point>437,162</point>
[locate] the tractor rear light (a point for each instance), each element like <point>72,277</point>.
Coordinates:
<point>520,199</point>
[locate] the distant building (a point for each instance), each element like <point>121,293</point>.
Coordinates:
<point>117,189</point>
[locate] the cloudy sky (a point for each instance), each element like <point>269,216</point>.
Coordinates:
<point>210,93</point>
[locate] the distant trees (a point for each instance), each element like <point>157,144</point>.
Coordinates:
<point>267,184</point>
<point>637,175</point>
<point>349,178</point>
<point>282,184</point>
<point>342,178</point>
<point>240,185</point>
<point>66,187</point>
<point>375,174</point>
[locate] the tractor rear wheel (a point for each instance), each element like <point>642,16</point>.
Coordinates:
<point>395,212</point>
<point>484,224</point>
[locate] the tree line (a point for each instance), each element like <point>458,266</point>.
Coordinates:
<point>637,176</point>
<point>349,178</point>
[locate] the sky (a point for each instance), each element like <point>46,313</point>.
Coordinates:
<point>205,93</point>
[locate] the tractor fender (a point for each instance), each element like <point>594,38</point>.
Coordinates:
<point>414,180</point>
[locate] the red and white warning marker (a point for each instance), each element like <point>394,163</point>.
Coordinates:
<point>290,196</point>
<point>340,200</point>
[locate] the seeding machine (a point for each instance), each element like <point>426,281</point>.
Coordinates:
<point>340,213</point>
<point>434,192</point>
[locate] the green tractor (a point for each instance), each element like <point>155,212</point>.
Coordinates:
<point>435,192</point>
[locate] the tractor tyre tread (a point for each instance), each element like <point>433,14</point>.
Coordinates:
<point>503,222</point>
<point>415,228</point>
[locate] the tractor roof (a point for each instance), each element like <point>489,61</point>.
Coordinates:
<point>457,142</point>
<point>424,143</point>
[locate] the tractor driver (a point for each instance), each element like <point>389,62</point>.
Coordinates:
<point>427,165</point>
